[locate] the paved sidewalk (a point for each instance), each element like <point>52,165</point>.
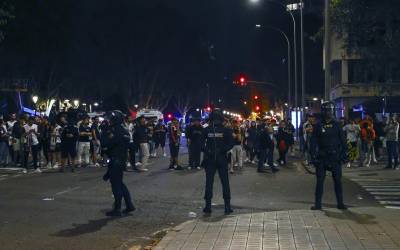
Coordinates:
<point>357,228</point>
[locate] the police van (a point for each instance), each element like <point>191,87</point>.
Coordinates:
<point>150,114</point>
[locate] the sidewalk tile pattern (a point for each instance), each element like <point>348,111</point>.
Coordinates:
<point>364,228</point>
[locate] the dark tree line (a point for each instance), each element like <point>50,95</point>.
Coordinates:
<point>121,52</point>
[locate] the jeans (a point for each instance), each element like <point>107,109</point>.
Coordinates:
<point>237,155</point>
<point>392,153</point>
<point>3,152</point>
<point>144,152</point>
<point>84,150</point>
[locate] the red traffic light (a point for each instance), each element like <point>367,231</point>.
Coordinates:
<point>242,79</point>
<point>258,108</point>
<point>169,116</point>
<point>256,97</point>
<point>208,109</point>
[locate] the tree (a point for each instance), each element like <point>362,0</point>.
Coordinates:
<point>370,29</point>
<point>6,14</point>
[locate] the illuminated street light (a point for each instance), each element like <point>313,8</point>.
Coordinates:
<point>254,1</point>
<point>35,99</point>
<point>197,110</point>
<point>136,106</point>
<point>76,103</point>
<point>84,104</point>
<point>96,104</point>
<point>286,104</point>
<point>245,102</point>
<point>315,99</point>
<point>258,25</point>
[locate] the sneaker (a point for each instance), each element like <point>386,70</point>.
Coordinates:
<point>247,160</point>
<point>165,155</point>
<point>231,171</point>
<point>38,170</point>
<point>127,164</point>
<point>198,168</point>
<point>275,165</point>
<point>267,165</point>
<point>178,168</point>
<point>235,165</point>
<point>143,169</point>
<point>368,165</point>
<point>253,162</point>
<point>138,164</point>
<point>97,165</point>
<point>348,165</point>
<point>24,171</point>
<point>48,166</point>
<point>55,166</point>
<point>282,163</point>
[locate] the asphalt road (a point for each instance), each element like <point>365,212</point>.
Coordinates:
<point>66,210</point>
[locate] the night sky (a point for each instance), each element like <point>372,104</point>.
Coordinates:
<point>93,49</point>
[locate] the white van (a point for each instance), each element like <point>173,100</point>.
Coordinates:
<point>150,114</point>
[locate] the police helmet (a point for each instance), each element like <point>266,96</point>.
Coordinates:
<point>115,117</point>
<point>217,116</point>
<point>328,109</point>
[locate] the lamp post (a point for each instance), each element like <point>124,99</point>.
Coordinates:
<point>327,50</point>
<point>289,61</point>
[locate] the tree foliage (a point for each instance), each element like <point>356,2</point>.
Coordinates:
<point>370,29</point>
<point>6,14</point>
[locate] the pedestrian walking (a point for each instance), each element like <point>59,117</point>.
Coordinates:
<point>392,137</point>
<point>174,144</point>
<point>353,133</point>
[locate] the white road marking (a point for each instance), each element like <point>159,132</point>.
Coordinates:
<point>67,191</point>
<point>389,202</point>
<point>386,193</point>
<point>383,189</point>
<point>392,207</point>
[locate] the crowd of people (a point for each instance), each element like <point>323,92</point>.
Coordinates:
<point>34,142</point>
<point>38,142</point>
<point>369,141</point>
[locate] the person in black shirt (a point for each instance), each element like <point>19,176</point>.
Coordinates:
<point>69,138</point>
<point>160,134</point>
<point>265,144</point>
<point>282,139</point>
<point>95,143</point>
<point>85,136</point>
<point>141,138</point>
<point>3,143</point>
<point>195,141</point>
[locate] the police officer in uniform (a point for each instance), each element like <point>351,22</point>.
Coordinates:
<point>218,141</point>
<point>329,151</point>
<point>117,146</point>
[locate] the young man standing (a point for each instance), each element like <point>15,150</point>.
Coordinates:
<point>69,138</point>
<point>32,134</point>
<point>85,134</point>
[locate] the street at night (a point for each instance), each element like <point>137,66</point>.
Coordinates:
<point>199,125</point>
<point>73,216</point>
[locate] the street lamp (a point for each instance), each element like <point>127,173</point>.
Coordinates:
<point>76,103</point>
<point>289,59</point>
<point>315,99</point>
<point>35,99</point>
<point>294,48</point>
<point>96,104</point>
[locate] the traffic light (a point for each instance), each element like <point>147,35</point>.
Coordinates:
<point>258,108</point>
<point>208,109</point>
<point>169,116</point>
<point>240,80</point>
<point>256,97</point>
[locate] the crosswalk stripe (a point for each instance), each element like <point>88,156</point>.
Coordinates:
<point>389,202</point>
<point>387,197</point>
<point>379,186</point>
<point>392,207</point>
<point>383,189</point>
<point>386,193</point>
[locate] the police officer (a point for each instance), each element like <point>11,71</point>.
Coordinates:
<point>195,140</point>
<point>117,147</point>
<point>329,150</point>
<point>218,141</point>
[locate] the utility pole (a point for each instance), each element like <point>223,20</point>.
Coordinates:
<point>303,75</point>
<point>327,51</point>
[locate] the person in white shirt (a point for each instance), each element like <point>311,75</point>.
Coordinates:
<point>352,131</point>
<point>3,143</point>
<point>10,125</point>
<point>32,134</point>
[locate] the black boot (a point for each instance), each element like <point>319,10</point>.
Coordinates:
<point>342,206</point>
<point>116,212</point>
<point>129,208</point>
<point>207,208</point>
<point>316,207</point>
<point>228,209</point>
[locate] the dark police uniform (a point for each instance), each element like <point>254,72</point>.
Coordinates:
<point>328,148</point>
<point>218,141</point>
<point>117,147</point>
